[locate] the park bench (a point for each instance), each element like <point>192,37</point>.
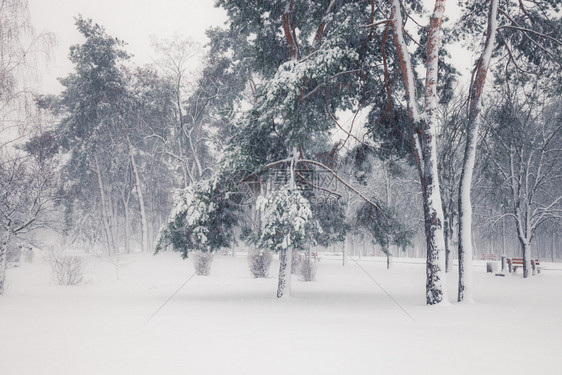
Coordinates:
<point>489,257</point>
<point>514,263</point>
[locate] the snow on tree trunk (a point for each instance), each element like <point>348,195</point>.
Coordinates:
<point>526,247</point>
<point>285,261</point>
<point>3,262</point>
<point>138,188</point>
<point>424,137</point>
<point>434,219</point>
<point>473,126</point>
<point>447,246</point>
<point>435,240</point>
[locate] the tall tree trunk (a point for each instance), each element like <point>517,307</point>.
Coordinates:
<point>553,245</point>
<point>126,211</point>
<point>447,227</point>
<point>105,220</point>
<point>347,248</point>
<point>424,139</point>
<point>3,261</point>
<point>285,264</point>
<point>435,239</point>
<point>286,256</point>
<point>473,126</point>
<point>138,188</point>
<point>526,250</point>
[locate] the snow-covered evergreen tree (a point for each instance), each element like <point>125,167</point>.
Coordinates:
<point>201,220</point>
<point>288,226</point>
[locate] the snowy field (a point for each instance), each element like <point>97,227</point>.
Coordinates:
<point>231,323</point>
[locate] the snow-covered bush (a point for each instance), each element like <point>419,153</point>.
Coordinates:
<point>201,221</point>
<point>67,269</point>
<point>308,268</point>
<point>259,261</point>
<point>288,221</point>
<point>288,225</point>
<point>202,262</point>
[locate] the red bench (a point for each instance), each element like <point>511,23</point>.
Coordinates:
<point>514,263</point>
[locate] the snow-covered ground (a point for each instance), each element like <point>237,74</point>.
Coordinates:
<point>231,323</point>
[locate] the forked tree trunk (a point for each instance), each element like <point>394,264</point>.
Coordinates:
<point>473,126</point>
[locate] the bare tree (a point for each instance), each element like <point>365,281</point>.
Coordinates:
<point>23,187</point>
<point>175,59</point>
<point>524,152</point>
<point>27,197</point>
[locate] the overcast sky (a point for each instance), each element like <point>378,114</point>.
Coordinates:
<point>134,21</point>
<point>130,20</point>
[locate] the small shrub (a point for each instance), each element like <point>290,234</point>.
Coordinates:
<point>308,268</point>
<point>28,255</point>
<point>259,261</point>
<point>202,262</point>
<point>67,269</point>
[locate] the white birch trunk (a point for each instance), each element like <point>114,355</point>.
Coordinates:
<point>465,203</point>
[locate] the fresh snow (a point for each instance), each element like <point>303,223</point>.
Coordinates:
<point>231,323</point>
